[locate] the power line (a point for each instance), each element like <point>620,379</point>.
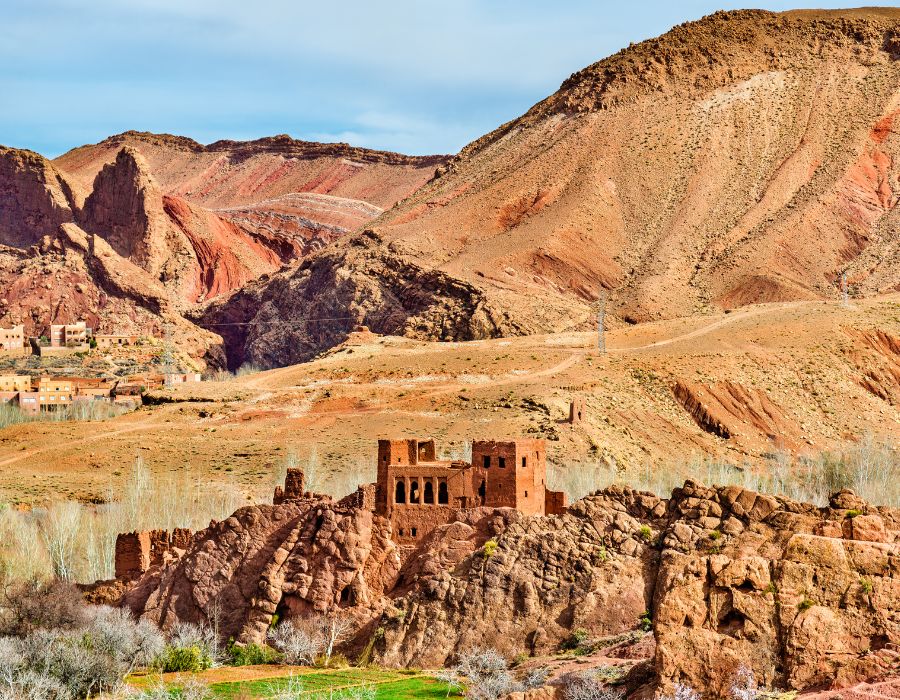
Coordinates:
<point>279,323</point>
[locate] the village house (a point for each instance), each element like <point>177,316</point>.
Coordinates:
<point>68,335</point>
<point>15,382</point>
<point>55,392</point>
<point>107,340</point>
<point>12,339</point>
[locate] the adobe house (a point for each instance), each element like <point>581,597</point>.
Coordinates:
<point>576,410</point>
<point>418,492</point>
<point>108,340</point>
<point>12,339</point>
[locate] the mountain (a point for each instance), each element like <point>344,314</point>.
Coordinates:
<point>747,157</point>
<point>134,232</point>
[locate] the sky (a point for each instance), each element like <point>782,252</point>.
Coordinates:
<point>414,76</point>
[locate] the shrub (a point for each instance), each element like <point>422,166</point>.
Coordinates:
<point>33,605</point>
<point>645,624</point>
<point>585,685</point>
<point>175,659</point>
<point>576,639</point>
<point>682,692</point>
<point>252,655</point>
<point>852,513</point>
<point>77,663</point>
<point>489,548</point>
<point>866,585</point>
<point>744,686</point>
<point>486,674</point>
<point>805,604</point>
<point>645,533</point>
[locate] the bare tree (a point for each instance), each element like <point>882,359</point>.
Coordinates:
<point>335,629</point>
<point>301,644</point>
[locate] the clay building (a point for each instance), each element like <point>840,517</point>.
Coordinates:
<point>67,335</point>
<point>12,339</point>
<point>418,492</point>
<point>576,411</point>
<point>54,392</point>
<point>15,382</point>
<point>107,340</point>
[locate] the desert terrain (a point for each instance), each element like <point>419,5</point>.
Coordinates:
<point>799,377</point>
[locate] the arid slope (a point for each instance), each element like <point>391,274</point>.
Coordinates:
<point>747,157</point>
<point>796,377</point>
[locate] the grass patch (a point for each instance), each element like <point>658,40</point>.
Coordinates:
<point>389,684</point>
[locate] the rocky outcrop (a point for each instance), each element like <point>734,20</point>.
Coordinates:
<point>804,595</point>
<point>35,198</point>
<point>293,316</point>
<point>125,207</point>
<point>731,410</point>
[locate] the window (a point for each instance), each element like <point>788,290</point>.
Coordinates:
<point>414,532</point>
<point>443,496</point>
<point>501,461</point>
<point>401,532</point>
<point>524,462</point>
<point>526,494</point>
<point>482,490</point>
<point>413,491</point>
<point>428,493</point>
<point>486,461</point>
<point>400,495</point>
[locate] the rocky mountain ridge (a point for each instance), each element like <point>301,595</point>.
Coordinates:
<point>167,240</point>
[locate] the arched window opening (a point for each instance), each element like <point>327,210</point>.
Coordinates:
<point>400,493</point>
<point>443,496</point>
<point>413,491</point>
<point>428,493</point>
<point>482,490</point>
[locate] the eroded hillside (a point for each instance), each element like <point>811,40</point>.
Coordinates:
<point>747,157</point>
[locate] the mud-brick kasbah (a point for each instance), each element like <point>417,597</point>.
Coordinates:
<point>414,490</point>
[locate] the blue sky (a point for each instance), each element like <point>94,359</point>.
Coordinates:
<point>415,76</point>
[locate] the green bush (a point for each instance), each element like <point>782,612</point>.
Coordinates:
<point>174,659</point>
<point>805,604</point>
<point>645,532</point>
<point>576,639</point>
<point>646,622</point>
<point>252,654</point>
<point>489,548</point>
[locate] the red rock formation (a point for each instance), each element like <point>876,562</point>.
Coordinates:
<point>803,595</point>
<point>35,198</point>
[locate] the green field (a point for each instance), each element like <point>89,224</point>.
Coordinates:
<point>389,684</point>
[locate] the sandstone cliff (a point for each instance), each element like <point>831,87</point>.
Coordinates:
<point>804,595</point>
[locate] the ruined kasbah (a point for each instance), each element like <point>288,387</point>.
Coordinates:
<point>414,490</point>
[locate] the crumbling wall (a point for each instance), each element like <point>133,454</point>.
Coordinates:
<point>137,552</point>
<point>294,487</point>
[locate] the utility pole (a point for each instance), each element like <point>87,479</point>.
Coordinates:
<point>168,355</point>
<point>845,295</point>
<point>601,322</point>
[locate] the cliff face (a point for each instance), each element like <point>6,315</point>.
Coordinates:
<point>803,595</point>
<point>184,223</point>
<point>34,198</point>
<point>748,157</point>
